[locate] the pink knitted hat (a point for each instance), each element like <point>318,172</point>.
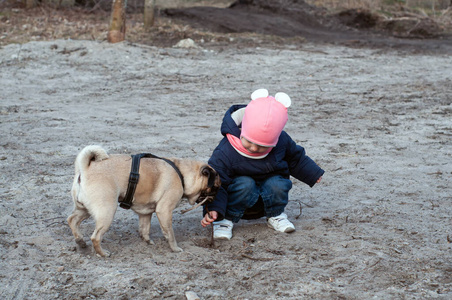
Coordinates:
<point>265,118</point>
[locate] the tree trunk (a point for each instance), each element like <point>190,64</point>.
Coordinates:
<point>117,30</point>
<point>29,3</point>
<point>149,6</point>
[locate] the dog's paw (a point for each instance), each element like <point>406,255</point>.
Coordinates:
<point>81,243</point>
<point>148,240</point>
<point>177,249</point>
<point>105,253</point>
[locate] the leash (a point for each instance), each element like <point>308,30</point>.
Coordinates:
<point>134,177</point>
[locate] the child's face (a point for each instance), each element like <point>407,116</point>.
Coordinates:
<point>252,147</point>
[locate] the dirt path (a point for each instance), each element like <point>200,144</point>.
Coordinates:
<point>379,122</point>
<point>297,19</point>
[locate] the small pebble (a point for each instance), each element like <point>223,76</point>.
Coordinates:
<point>191,296</point>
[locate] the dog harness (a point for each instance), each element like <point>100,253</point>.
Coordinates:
<point>134,177</point>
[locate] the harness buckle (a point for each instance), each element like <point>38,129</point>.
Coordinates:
<point>125,205</point>
<point>134,177</point>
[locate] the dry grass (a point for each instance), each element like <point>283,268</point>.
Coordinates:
<point>48,23</point>
<point>348,4</point>
<point>186,3</point>
<point>19,25</point>
<point>440,11</point>
<point>432,5</point>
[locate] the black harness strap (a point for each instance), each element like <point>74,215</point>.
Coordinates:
<point>134,177</point>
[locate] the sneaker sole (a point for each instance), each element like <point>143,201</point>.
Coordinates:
<point>288,230</point>
<point>221,238</point>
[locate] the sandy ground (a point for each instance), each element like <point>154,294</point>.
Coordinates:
<point>378,121</point>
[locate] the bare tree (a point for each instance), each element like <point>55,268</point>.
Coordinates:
<point>117,30</point>
<point>149,6</point>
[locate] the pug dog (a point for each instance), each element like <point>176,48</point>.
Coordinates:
<point>101,181</point>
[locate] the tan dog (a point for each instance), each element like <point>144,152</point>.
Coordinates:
<point>101,180</point>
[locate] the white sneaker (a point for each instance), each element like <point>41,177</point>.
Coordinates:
<point>280,223</point>
<point>222,230</point>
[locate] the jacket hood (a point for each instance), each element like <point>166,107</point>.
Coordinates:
<point>229,125</point>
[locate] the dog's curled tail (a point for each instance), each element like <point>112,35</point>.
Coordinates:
<point>88,154</point>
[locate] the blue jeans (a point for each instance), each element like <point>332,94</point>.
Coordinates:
<point>244,192</point>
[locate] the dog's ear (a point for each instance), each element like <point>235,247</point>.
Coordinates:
<point>210,174</point>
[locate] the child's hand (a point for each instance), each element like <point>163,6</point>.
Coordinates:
<point>320,179</point>
<point>209,218</point>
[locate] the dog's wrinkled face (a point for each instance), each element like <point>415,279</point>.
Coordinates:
<point>213,185</point>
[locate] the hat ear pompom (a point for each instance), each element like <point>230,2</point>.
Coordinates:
<point>260,93</point>
<point>283,98</point>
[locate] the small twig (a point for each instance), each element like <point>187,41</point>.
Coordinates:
<point>47,220</point>
<point>23,183</point>
<point>196,206</point>
<point>259,259</point>
<point>69,51</point>
<point>301,210</point>
<point>212,240</point>
<point>436,173</point>
<point>433,204</point>
<point>414,27</point>
<point>254,275</point>
<point>54,218</point>
<point>96,6</point>
<point>277,252</point>
<point>18,53</point>
<point>54,223</point>
<point>310,206</point>
<point>50,224</point>
<point>360,271</point>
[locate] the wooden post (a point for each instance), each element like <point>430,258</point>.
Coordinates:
<point>149,7</point>
<point>117,32</point>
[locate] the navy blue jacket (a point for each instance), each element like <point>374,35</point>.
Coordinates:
<point>285,159</point>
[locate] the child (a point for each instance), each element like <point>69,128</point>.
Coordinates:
<point>255,160</point>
